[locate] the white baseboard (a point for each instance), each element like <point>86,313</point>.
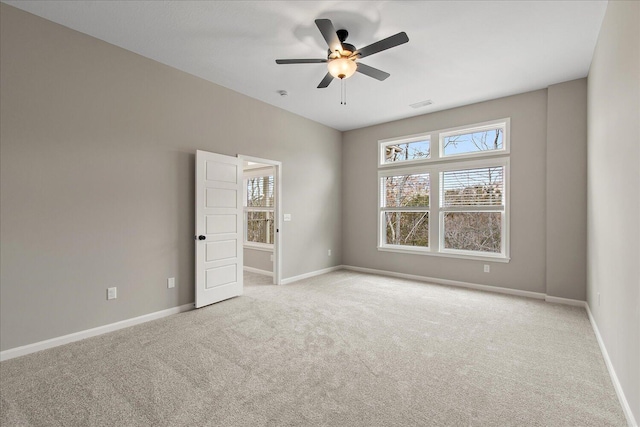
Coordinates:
<point>565,301</point>
<point>311,274</point>
<point>529,294</point>
<point>77,336</point>
<point>612,372</point>
<point>258,271</point>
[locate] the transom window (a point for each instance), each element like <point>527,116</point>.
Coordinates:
<point>453,201</point>
<point>406,150</point>
<point>470,141</point>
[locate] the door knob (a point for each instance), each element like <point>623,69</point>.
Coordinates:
<point>202,237</point>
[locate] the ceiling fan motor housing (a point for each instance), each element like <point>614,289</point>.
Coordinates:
<point>347,48</point>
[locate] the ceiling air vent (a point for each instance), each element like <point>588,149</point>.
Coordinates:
<point>421,104</point>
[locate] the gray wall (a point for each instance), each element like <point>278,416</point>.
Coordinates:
<point>256,258</point>
<point>544,124</point>
<point>97,179</point>
<point>566,190</point>
<point>613,191</point>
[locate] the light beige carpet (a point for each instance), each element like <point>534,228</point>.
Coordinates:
<point>342,349</point>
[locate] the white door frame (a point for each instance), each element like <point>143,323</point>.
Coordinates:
<point>277,244</point>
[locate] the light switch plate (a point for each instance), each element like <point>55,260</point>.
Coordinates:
<point>287,217</point>
<point>171,282</point>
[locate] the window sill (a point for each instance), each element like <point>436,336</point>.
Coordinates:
<point>425,251</point>
<point>259,247</point>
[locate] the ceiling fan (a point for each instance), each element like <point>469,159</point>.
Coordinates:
<point>343,58</point>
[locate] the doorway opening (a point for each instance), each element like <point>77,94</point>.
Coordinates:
<point>261,204</point>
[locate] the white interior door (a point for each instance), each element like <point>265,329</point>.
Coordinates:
<point>219,228</point>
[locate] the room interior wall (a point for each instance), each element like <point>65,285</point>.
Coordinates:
<point>97,169</point>
<point>526,270</point>
<point>566,225</point>
<point>613,193</point>
<point>258,259</point>
<point>531,173</point>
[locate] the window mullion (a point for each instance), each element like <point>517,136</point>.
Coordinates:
<point>405,209</point>
<point>473,208</point>
<point>259,209</point>
<point>434,202</point>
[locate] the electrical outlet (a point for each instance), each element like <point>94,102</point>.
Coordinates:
<point>112,293</point>
<point>171,282</point>
<point>487,268</point>
<point>329,252</point>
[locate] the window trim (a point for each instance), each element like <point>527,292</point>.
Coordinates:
<point>266,247</point>
<point>435,166</point>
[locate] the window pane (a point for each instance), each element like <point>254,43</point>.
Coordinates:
<point>407,151</point>
<point>407,190</point>
<point>473,231</point>
<point>407,228</point>
<point>260,227</point>
<point>473,187</point>
<point>260,191</point>
<point>472,142</point>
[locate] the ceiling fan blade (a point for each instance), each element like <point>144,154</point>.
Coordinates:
<point>381,45</point>
<point>371,72</point>
<point>329,33</point>
<point>325,82</point>
<point>300,61</point>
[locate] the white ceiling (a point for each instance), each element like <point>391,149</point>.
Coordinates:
<point>459,52</point>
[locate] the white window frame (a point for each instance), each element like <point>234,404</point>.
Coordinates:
<point>255,173</point>
<point>382,226</point>
<point>435,166</point>
<point>504,162</point>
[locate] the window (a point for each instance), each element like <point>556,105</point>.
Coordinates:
<point>451,202</point>
<point>406,209</point>
<point>472,206</point>
<point>477,140</point>
<point>406,150</point>
<point>259,209</point>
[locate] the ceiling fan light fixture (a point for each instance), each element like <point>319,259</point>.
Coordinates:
<point>342,68</point>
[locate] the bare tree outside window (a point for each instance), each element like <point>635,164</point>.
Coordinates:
<point>473,188</point>
<point>404,227</point>
<point>260,216</point>
<point>487,140</point>
<point>473,231</point>
<point>405,151</point>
